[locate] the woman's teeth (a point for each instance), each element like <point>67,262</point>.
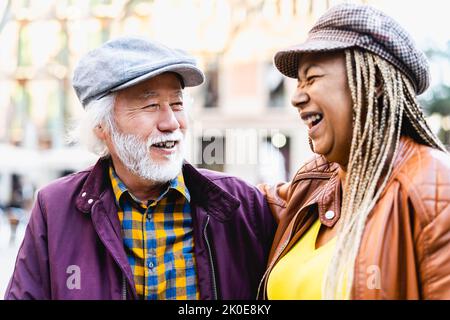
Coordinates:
<point>312,120</point>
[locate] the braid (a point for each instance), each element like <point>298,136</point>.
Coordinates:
<point>373,149</point>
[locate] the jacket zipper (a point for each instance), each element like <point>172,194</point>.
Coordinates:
<point>105,243</point>
<point>269,269</point>
<point>124,287</point>
<point>214,285</point>
<point>263,281</point>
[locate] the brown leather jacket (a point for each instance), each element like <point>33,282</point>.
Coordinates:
<point>405,248</point>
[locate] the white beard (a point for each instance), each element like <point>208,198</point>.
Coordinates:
<point>134,153</point>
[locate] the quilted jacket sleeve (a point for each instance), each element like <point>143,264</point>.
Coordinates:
<point>434,247</point>
<point>430,197</point>
<point>276,197</point>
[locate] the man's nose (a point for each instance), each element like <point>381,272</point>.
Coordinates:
<point>167,121</point>
<point>300,98</point>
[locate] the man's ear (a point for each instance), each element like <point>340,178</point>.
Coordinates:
<point>100,132</point>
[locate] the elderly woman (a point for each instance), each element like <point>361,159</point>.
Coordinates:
<point>369,216</point>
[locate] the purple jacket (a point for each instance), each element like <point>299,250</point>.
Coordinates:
<point>73,246</point>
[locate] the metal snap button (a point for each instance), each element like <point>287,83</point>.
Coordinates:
<point>330,215</point>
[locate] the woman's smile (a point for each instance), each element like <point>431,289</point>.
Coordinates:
<point>313,120</point>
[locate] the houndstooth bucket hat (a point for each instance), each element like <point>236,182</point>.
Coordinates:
<point>353,25</point>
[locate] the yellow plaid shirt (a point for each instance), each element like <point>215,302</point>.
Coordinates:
<point>158,240</point>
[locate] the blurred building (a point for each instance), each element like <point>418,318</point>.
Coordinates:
<point>241,119</point>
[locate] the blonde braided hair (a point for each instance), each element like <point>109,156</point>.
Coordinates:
<point>378,123</point>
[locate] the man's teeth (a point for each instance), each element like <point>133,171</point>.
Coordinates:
<point>166,144</point>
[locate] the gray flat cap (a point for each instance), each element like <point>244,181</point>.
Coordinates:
<point>353,25</point>
<point>124,62</point>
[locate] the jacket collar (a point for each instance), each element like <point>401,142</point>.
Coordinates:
<point>207,194</point>
<point>329,201</point>
<point>203,191</point>
<point>121,191</point>
<point>96,183</point>
<point>328,198</point>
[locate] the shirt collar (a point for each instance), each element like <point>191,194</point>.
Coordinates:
<point>119,188</point>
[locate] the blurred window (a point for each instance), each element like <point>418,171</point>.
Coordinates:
<point>212,153</point>
<point>212,85</point>
<point>275,87</point>
<point>282,143</point>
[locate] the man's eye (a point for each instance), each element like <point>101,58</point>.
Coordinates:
<point>151,106</point>
<point>177,105</point>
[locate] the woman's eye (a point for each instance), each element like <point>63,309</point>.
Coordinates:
<point>312,77</point>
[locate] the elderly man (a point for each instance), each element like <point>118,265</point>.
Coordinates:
<point>142,223</point>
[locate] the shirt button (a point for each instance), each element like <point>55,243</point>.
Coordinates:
<point>83,194</point>
<point>90,201</point>
<point>150,265</point>
<point>329,215</point>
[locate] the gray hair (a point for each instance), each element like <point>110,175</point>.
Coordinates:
<point>97,113</point>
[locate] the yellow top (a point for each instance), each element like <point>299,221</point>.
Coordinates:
<point>299,274</point>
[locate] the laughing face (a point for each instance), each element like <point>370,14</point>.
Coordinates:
<point>324,102</point>
<point>150,124</point>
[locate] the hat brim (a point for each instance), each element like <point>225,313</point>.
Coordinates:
<point>191,75</point>
<point>286,61</point>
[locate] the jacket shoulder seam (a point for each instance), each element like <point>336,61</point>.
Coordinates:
<point>42,207</point>
<point>425,224</point>
<point>312,175</point>
<point>221,178</point>
<point>254,218</point>
<point>413,189</point>
<point>417,201</point>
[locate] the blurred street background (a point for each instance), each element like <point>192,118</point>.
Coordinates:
<point>241,113</point>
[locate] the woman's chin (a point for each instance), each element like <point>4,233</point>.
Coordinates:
<point>340,159</point>
<point>320,148</point>
<point>329,156</point>
<point>331,152</point>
